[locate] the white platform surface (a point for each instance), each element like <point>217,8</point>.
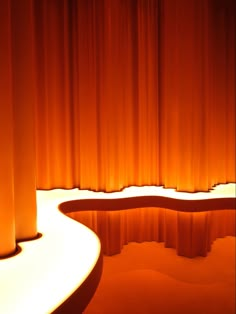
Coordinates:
<point>49,269</point>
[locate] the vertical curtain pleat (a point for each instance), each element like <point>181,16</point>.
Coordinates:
<point>222,139</point>
<point>17,128</point>
<point>7,219</point>
<point>186,101</point>
<point>53,114</point>
<point>126,93</point>
<point>87,74</point>
<point>135,93</point>
<point>147,136</point>
<point>23,98</point>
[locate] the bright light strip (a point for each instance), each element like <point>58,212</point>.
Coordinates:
<point>49,269</point>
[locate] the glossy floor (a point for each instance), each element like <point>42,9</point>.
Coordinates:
<point>147,278</point>
<point>49,269</point>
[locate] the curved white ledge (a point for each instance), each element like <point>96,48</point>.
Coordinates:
<point>221,197</point>
<point>60,271</point>
<point>188,222</point>
<point>57,272</point>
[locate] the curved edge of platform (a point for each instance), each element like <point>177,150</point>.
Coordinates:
<point>218,201</point>
<point>81,297</point>
<point>59,272</point>
<point>182,205</point>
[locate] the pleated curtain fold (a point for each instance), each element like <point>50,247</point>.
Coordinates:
<point>17,125</point>
<point>105,94</point>
<point>135,93</point>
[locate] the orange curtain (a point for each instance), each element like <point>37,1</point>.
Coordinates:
<point>197,94</point>
<point>126,92</point>
<point>17,128</point>
<point>7,223</point>
<point>135,93</point>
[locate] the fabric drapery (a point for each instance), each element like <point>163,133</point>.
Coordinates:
<point>135,93</point>
<point>17,128</point>
<point>106,94</point>
<point>7,223</point>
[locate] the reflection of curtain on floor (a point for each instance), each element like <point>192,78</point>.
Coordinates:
<point>191,234</point>
<point>135,93</point>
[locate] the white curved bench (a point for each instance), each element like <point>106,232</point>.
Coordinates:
<point>188,222</point>
<point>58,272</point>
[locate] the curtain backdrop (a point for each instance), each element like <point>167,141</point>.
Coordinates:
<point>135,92</point>
<point>123,92</point>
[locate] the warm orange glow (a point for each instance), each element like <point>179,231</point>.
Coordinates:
<point>23,99</point>
<point>135,93</point>
<point>151,279</point>
<point>56,264</point>
<point>126,93</point>
<point>103,95</point>
<point>17,127</point>
<point>7,223</point>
